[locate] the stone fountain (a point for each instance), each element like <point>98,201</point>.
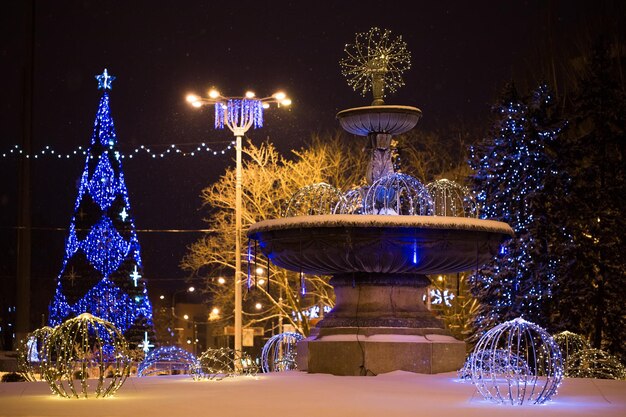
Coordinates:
<point>379,254</point>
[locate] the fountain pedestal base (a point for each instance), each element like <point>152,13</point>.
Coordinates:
<point>380,324</point>
<point>368,351</point>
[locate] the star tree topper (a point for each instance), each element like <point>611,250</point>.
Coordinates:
<point>105,80</point>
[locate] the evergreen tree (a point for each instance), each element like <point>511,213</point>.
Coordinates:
<point>510,169</point>
<point>102,272</point>
<point>592,280</point>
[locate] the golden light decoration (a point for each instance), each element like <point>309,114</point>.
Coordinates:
<point>452,199</point>
<point>595,363</point>
<point>86,356</point>
<point>375,62</point>
<point>31,353</point>
<point>220,363</point>
<point>570,343</point>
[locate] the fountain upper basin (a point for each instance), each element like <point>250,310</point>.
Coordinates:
<point>390,119</point>
<point>379,244</point>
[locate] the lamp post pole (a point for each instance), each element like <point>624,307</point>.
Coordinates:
<point>239,114</point>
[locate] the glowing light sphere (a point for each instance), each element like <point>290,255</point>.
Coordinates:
<point>314,199</point>
<point>375,62</point>
<point>451,199</point>
<point>219,363</point>
<point>352,202</point>
<point>570,343</point>
<point>169,360</point>
<point>279,352</point>
<point>32,352</point>
<point>491,361</point>
<point>398,193</point>
<point>595,363</point>
<point>86,356</point>
<point>517,362</point>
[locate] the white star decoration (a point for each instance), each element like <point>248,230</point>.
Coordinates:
<point>123,214</point>
<point>105,80</point>
<point>135,275</point>
<point>145,345</point>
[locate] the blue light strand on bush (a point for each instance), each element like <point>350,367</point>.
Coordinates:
<point>105,248</point>
<point>509,177</point>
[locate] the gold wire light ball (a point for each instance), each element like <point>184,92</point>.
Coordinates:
<point>595,363</point>
<point>570,343</point>
<point>86,356</point>
<point>31,353</point>
<point>517,362</point>
<point>219,363</point>
<point>451,199</point>
<point>375,61</point>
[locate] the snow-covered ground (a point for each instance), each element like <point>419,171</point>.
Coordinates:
<point>317,395</point>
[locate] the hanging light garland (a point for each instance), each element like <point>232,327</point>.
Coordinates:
<point>171,150</point>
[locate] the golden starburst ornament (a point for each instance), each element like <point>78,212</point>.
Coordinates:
<point>375,61</point>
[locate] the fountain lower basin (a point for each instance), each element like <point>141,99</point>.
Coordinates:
<point>378,265</point>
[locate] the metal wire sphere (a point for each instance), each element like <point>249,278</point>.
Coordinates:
<point>398,193</point>
<point>220,363</point>
<point>279,352</point>
<point>570,343</point>
<point>352,202</point>
<point>86,356</point>
<point>451,199</point>
<point>595,363</point>
<point>31,353</point>
<point>488,361</point>
<point>314,199</point>
<point>517,362</point>
<point>167,360</point>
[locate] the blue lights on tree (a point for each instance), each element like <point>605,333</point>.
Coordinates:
<point>102,273</point>
<point>510,171</point>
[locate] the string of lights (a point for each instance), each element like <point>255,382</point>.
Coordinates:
<point>184,150</point>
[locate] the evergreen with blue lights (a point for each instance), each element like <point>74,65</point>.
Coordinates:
<point>510,170</point>
<point>102,272</point>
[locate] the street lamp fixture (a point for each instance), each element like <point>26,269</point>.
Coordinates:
<point>238,114</point>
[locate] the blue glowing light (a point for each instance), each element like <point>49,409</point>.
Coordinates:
<point>239,112</point>
<point>108,247</point>
<point>105,80</point>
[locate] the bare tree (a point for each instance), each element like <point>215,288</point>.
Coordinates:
<point>271,296</point>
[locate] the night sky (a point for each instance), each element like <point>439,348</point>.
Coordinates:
<point>462,54</point>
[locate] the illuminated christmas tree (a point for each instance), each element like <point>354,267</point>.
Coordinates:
<point>510,171</point>
<point>102,272</point>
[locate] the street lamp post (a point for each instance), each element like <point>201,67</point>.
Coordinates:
<point>239,114</point>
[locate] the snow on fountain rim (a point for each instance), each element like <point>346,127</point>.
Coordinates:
<point>378,220</point>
